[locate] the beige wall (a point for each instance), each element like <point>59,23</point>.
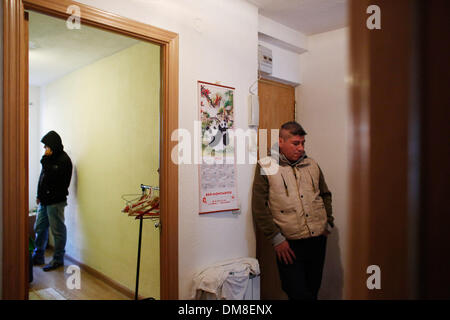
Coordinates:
<point>323,110</point>
<point>107,114</point>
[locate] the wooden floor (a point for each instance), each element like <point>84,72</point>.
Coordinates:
<point>55,280</point>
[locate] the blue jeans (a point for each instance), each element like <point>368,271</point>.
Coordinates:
<point>51,216</point>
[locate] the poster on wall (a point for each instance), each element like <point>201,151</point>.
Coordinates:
<point>217,169</point>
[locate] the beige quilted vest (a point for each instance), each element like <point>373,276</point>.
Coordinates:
<point>294,198</point>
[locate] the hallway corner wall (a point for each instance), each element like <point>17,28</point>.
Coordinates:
<point>323,101</point>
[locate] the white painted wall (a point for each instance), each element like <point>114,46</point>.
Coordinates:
<point>292,38</point>
<point>324,102</point>
<point>35,150</point>
<point>218,42</point>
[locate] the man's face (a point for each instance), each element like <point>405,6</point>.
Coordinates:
<point>48,151</point>
<point>293,147</point>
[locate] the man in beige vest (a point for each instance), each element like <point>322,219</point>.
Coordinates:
<point>291,204</point>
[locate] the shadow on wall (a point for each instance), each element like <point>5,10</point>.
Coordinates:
<point>333,273</point>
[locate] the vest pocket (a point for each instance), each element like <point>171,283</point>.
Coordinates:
<point>318,204</point>
<point>319,212</point>
<point>287,211</point>
<point>286,220</point>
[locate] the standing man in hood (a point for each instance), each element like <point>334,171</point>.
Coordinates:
<point>52,194</point>
<point>291,204</point>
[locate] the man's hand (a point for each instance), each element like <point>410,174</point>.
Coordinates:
<point>285,253</point>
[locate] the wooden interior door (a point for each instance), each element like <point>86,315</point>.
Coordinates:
<point>276,106</point>
<point>399,115</point>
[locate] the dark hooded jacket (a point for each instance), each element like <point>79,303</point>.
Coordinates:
<point>56,172</point>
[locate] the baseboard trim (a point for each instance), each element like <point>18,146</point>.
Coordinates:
<point>97,274</point>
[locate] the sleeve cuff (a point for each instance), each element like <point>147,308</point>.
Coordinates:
<point>331,223</point>
<point>279,238</point>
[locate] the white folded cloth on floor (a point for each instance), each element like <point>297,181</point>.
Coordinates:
<point>225,280</point>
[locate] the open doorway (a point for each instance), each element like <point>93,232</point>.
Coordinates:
<point>100,92</point>
<point>16,101</point>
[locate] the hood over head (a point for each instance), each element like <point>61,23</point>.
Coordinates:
<point>53,140</point>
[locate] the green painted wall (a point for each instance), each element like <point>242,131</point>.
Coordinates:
<point>107,114</point>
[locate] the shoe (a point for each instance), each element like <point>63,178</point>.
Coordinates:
<point>52,266</point>
<point>37,261</point>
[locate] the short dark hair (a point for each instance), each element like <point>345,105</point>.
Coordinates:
<point>294,128</point>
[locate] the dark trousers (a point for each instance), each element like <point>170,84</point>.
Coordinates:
<point>301,280</point>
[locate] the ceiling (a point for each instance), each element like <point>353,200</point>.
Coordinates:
<point>56,50</point>
<point>307,16</point>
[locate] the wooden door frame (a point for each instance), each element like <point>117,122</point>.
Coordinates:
<point>15,137</point>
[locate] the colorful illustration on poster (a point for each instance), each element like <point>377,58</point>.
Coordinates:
<point>217,171</point>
